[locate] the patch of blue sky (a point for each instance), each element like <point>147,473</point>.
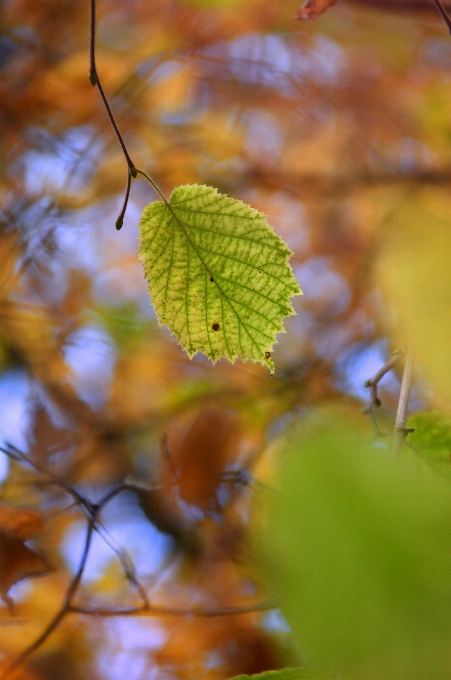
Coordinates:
<point>413,155</point>
<point>63,163</point>
<point>92,244</point>
<point>320,283</point>
<point>4,467</point>
<point>290,220</point>
<point>179,118</point>
<point>27,35</point>
<point>166,69</point>
<point>329,345</point>
<point>213,659</point>
<point>90,354</point>
<point>359,363</point>
<point>163,71</point>
<point>128,647</point>
<point>264,138</point>
<point>262,59</point>
<point>274,622</point>
<point>132,664</point>
<point>148,66</point>
<point>40,213</point>
<point>91,241</point>
<point>324,63</point>
<point>80,242</point>
<point>14,416</point>
<point>8,50</point>
<point>126,528</point>
<point>436,51</point>
<point>291,345</point>
<point>273,61</point>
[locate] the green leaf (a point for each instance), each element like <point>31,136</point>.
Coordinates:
<point>432,430</point>
<point>357,550</point>
<point>283,674</point>
<point>218,275</point>
<point>432,439</point>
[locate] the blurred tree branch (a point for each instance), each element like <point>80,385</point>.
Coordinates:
<point>404,395</point>
<point>92,512</point>
<point>423,6</point>
<point>373,384</point>
<point>443,13</point>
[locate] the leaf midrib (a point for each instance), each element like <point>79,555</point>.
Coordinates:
<point>180,223</point>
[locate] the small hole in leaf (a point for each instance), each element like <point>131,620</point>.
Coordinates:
<point>211,279</point>
<point>268,355</point>
<point>215,326</point>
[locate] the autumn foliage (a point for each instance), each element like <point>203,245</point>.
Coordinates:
<point>114,442</point>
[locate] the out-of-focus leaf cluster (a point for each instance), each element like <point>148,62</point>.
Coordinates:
<point>357,549</point>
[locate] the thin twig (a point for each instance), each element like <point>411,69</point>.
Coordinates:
<point>92,512</point>
<point>19,661</point>
<point>174,611</point>
<point>444,14</point>
<point>373,383</point>
<point>20,456</point>
<point>120,219</point>
<point>403,403</point>
<point>94,80</point>
<point>125,561</point>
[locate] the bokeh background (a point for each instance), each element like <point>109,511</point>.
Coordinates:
<point>334,128</point>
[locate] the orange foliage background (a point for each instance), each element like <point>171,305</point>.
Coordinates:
<point>324,126</point>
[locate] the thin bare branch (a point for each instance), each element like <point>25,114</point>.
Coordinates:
<point>373,383</point>
<point>444,14</point>
<point>174,611</point>
<point>403,403</point>
<point>18,663</point>
<point>120,219</point>
<point>94,80</point>
<point>92,511</point>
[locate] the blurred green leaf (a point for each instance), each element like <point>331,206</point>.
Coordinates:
<point>283,674</point>
<point>358,551</point>
<point>218,275</point>
<point>125,325</point>
<point>415,275</point>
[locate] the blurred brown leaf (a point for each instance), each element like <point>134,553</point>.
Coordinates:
<point>44,438</point>
<point>202,453</point>
<point>18,561</point>
<point>311,8</point>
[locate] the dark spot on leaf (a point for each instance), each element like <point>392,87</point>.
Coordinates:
<point>260,271</point>
<point>211,279</point>
<point>268,355</point>
<point>215,327</point>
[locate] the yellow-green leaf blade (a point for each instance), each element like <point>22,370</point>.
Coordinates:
<point>218,275</point>
<point>282,674</point>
